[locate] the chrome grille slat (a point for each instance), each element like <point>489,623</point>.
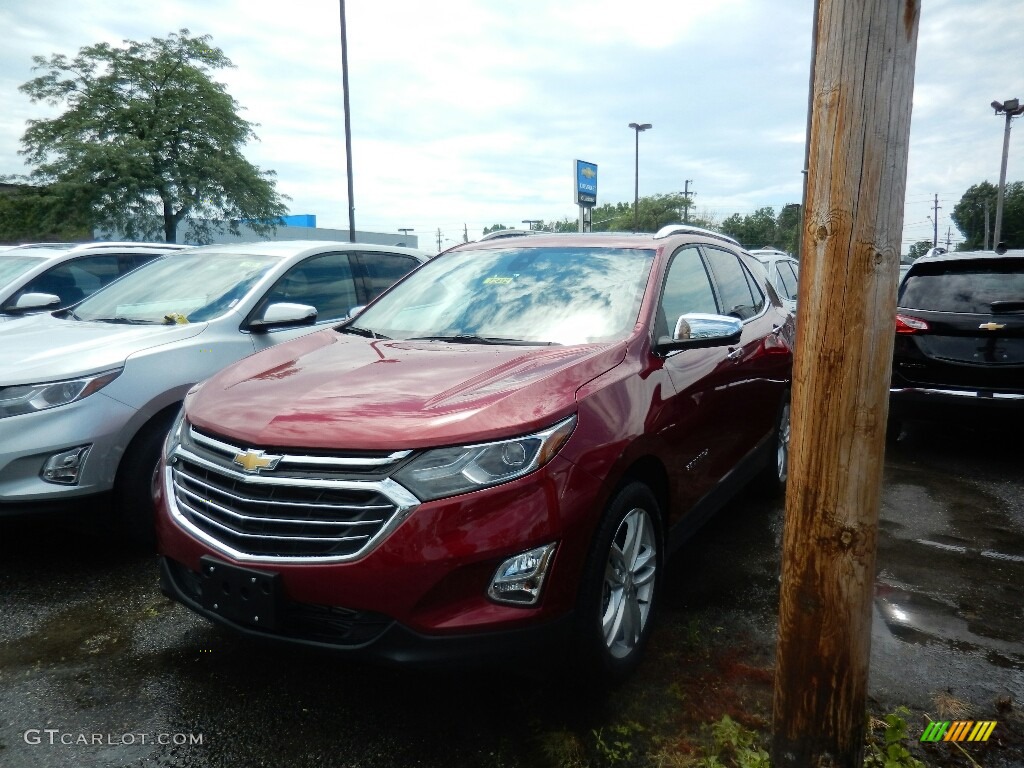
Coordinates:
<point>273,502</point>
<point>318,540</point>
<point>228,450</point>
<point>260,519</point>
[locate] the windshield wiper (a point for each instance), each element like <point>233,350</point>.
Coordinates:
<point>471,338</point>
<point>122,320</point>
<point>362,332</point>
<point>1011,305</point>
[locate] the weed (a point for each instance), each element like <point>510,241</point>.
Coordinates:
<point>891,753</point>
<point>616,747</point>
<point>734,747</point>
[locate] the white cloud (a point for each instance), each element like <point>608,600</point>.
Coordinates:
<point>470,112</point>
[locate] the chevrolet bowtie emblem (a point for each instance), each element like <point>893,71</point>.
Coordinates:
<point>991,326</point>
<point>254,461</point>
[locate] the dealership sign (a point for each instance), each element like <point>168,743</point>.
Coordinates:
<point>586,183</point>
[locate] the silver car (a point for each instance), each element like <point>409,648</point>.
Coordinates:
<point>88,394</point>
<point>783,272</point>
<point>48,276</point>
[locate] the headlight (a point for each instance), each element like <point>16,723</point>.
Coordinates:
<point>451,471</point>
<point>29,398</point>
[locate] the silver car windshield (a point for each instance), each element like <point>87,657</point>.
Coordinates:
<point>516,295</point>
<point>15,266</point>
<point>184,287</point>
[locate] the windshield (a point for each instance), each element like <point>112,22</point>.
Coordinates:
<point>528,295</point>
<point>13,266</point>
<point>184,287</point>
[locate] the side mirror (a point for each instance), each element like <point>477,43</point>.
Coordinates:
<point>29,302</point>
<point>284,314</point>
<point>355,311</point>
<point>697,330</point>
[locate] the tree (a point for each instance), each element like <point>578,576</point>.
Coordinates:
<point>969,215</point>
<point>919,249</point>
<point>149,139</point>
<point>495,228</point>
<point>40,214</point>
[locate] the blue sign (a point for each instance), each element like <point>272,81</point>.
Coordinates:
<point>586,183</point>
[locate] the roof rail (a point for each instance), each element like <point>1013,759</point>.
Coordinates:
<point>686,229</point>
<point>500,233</point>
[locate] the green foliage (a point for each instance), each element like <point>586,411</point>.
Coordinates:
<point>969,215</point>
<point>616,746</point>
<point>762,229</point>
<point>734,747</point>
<point>42,214</point>
<point>889,751</point>
<point>148,140</point>
<point>919,249</point>
<point>652,213</point>
<point>495,228</point>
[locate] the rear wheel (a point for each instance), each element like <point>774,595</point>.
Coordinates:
<point>772,480</point>
<point>620,583</point>
<point>133,487</point>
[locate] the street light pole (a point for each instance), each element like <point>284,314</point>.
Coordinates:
<point>1011,108</point>
<point>531,222</point>
<point>348,123</point>
<point>405,232</point>
<point>638,127</point>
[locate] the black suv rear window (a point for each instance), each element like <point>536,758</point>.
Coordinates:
<point>969,287</point>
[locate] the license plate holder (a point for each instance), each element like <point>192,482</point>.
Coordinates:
<point>241,595</point>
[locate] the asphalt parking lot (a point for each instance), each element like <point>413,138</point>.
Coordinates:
<point>97,668</point>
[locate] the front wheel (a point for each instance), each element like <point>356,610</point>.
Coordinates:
<point>133,496</point>
<point>620,583</point>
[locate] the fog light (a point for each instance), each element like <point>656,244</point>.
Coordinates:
<point>519,579</point>
<point>64,467</point>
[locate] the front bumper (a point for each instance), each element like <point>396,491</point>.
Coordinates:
<point>375,637</point>
<point>419,595</point>
<point>28,440</point>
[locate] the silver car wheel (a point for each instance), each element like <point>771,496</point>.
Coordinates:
<point>629,582</point>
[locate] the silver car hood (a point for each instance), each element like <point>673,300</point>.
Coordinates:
<point>45,348</point>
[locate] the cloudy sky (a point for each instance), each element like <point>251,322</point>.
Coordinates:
<point>467,113</point>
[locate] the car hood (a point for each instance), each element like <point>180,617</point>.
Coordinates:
<point>46,348</point>
<point>331,391</point>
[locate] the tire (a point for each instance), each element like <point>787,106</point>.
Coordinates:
<point>619,587</point>
<point>133,487</point>
<point>772,480</point>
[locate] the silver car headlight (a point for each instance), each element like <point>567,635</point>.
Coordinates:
<point>29,398</point>
<point>443,472</point>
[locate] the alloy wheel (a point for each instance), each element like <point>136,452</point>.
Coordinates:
<point>629,582</point>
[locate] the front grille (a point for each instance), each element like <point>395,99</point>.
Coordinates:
<point>271,515</point>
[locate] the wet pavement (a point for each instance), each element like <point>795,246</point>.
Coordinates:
<point>98,669</point>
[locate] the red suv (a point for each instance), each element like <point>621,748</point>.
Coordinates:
<point>493,459</point>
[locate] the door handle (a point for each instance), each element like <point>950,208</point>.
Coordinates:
<point>735,354</point>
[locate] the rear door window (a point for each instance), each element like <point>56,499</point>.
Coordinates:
<point>786,279</point>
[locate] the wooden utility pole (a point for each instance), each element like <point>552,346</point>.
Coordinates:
<point>862,84</point>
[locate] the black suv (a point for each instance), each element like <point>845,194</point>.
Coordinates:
<point>959,338</point>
